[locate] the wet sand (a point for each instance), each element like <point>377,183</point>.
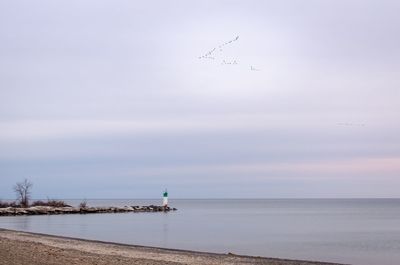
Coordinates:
<point>21,248</point>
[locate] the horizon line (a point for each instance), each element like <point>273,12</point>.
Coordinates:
<point>227,198</point>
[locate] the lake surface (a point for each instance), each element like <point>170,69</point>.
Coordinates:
<point>355,231</point>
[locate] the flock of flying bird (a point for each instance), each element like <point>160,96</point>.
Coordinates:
<point>351,124</point>
<point>211,55</point>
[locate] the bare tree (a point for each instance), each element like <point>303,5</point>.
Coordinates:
<point>23,192</point>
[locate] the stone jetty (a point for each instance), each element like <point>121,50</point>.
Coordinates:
<point>49,210</point>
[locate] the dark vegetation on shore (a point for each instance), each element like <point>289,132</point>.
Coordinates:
<point>23,192</point>
<point>9,204</point>
<point>51,203</point>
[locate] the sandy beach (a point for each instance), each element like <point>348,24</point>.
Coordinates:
<point>21,248</point>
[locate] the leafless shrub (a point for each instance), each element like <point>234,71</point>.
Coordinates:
<point>83,204</point>
<point>57,203</point>
<point>39,203</point>
<point>8,204</point>
<point>52,203</point>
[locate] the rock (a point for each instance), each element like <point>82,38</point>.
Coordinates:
<point>42,210</point>
<point>7,211</point>
<point>20,211</point>
<point>128,208</point>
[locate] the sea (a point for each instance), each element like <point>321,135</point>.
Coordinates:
<point>350,231</point>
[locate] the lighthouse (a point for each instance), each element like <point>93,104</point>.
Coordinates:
<point>165,199</point>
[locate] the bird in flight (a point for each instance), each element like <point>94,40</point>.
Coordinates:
<point>229,62</point>
<point>209,53</point>
<point>214,54</point>
<point>351,124</point>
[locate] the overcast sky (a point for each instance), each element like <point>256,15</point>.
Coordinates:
<point>109,99</point>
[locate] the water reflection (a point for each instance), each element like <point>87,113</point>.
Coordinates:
<point>165,230</point>
<point>25,223</point>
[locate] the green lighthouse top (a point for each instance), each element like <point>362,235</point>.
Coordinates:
<point>165,193</point>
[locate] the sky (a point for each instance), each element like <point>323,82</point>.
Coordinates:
<point>109,99</point>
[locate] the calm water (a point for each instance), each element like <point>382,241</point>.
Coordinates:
<point>350,231</point>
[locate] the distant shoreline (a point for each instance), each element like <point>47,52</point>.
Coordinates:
<point>41,249</point>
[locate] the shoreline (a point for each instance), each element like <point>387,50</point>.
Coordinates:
<point>17,247</point>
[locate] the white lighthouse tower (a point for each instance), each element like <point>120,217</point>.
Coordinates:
<point>165,199</point>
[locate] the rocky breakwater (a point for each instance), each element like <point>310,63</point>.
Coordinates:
<point>48,210</point>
